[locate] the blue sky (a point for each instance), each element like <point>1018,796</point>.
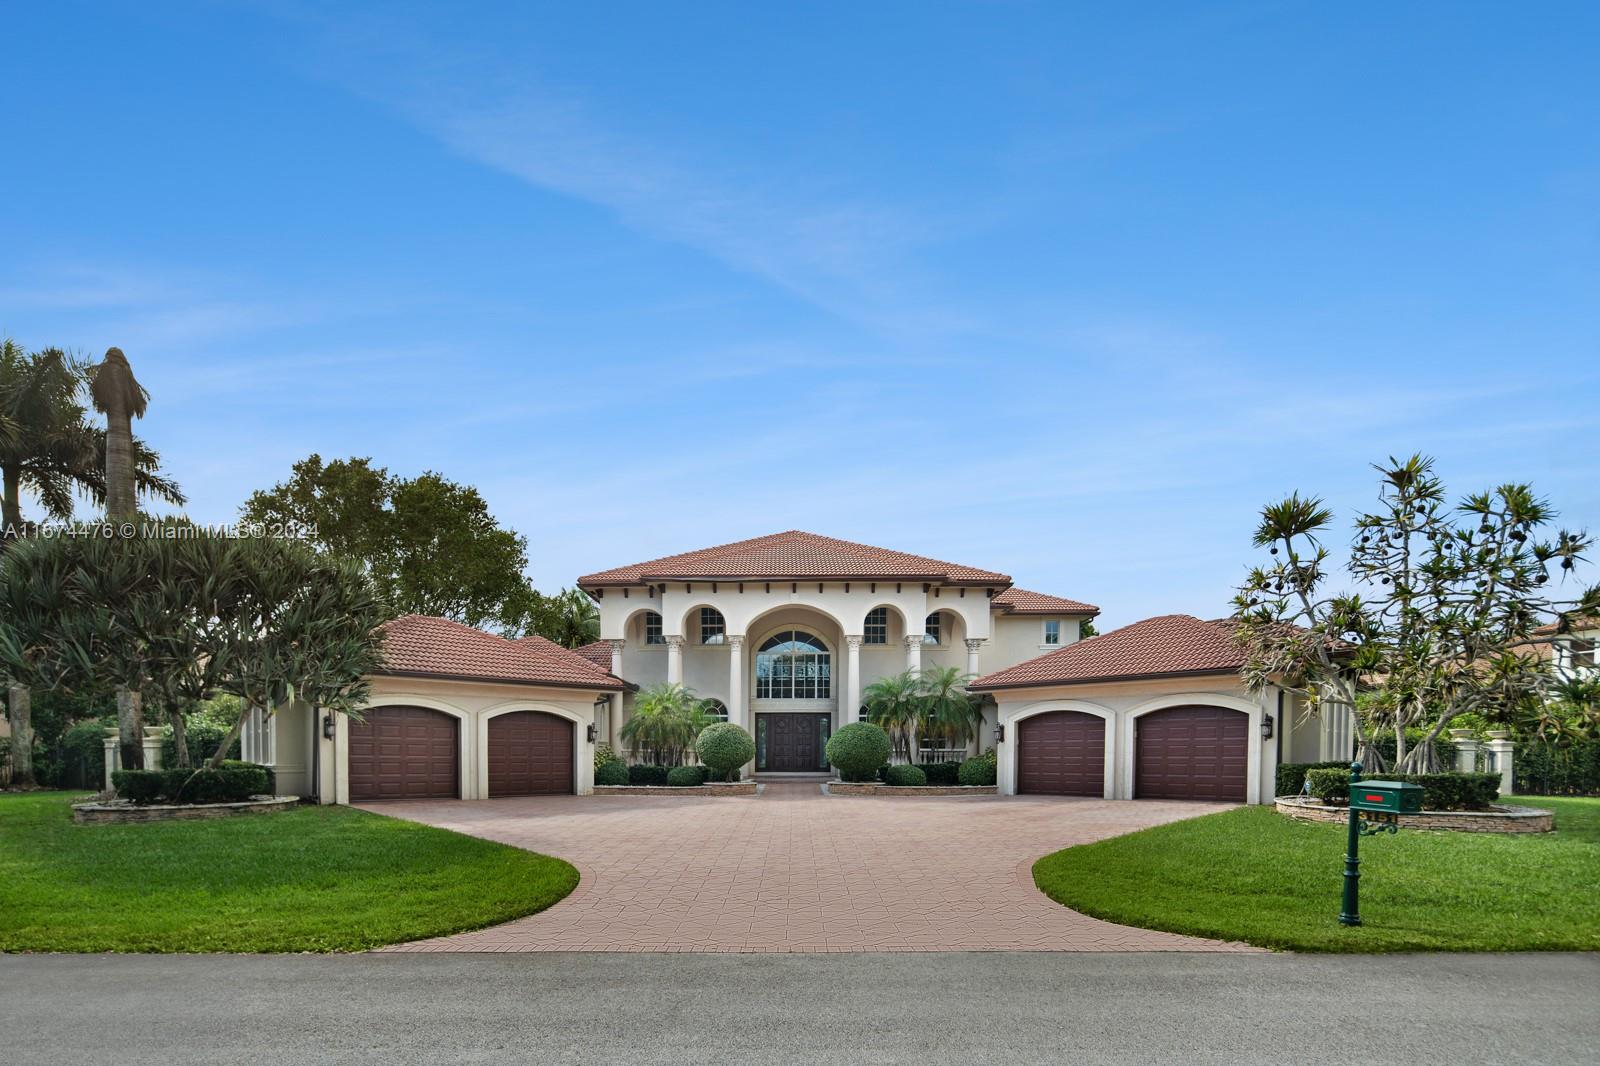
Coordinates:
<point>1057,289</point>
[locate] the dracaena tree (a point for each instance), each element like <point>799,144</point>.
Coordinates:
<point>1453,594</point>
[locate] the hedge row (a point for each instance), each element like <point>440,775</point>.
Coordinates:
<point>1569,770</point>
<point>232,782</point>
<point>1440,792</point>
<point>1292,775</point>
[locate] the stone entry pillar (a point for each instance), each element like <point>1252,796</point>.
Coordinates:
<point>674,660</point>
<point>1500,747</point>
<point>736,681</point>
<point>1466,750</point>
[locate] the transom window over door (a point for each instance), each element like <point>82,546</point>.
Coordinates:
<point>793,665</point>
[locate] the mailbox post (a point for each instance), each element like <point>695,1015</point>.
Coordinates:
<point>1375,807</point>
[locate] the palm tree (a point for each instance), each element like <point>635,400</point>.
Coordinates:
<point>666,720</point>
<point>119,396</point>
<point>895,703</point>
<point>949,710</point>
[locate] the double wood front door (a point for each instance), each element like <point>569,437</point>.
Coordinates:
<point>792,743</point>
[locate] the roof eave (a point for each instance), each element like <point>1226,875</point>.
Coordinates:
<point>600,684</point>
<point>979,686</point>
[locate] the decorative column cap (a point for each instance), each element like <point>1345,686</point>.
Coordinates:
<point>617,642</point>
<point>855,640</point>
<point>974,643</point>
<point>916,640</point>
<point>675,641</point>
<point>736,639</point>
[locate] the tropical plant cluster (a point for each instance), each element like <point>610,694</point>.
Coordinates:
<point>669,724</point>
<point>930,703</point>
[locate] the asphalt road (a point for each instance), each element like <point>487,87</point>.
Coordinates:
<point>752,1009</point>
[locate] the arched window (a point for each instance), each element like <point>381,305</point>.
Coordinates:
<point>715,709</point>
<point>793,665</point>
<point>712,628</point>
<point>652,628</point>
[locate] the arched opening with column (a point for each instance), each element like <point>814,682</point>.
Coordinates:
<point>793,685</point>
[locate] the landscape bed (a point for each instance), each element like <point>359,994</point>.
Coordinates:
<point>310,879</point>
<point>1252,875</point>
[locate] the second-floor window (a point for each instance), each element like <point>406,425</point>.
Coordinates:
<point>930,629</point>
<point>1052,632</point>
<point>1581,654</point>
<point>712,628</point>
<point>876,630</point>
<point>652,629</point>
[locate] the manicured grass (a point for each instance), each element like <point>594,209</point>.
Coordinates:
<point>309,879</point>
<point>1256,876</point>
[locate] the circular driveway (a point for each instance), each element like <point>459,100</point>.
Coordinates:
<point>796,870</point>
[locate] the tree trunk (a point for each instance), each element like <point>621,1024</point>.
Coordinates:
<point>21,700</point>
<point>221,753</point>
<point>10,502</point>
<point>180,737</point>
<point>120,504</point>
<point>130,728</point>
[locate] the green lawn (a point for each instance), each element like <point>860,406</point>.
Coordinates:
<point>1256,876</point>
<point>309,879</point>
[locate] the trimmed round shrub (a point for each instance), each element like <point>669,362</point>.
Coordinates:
<point>906,776</point>
<point>647,775</point>
<point>611,773</point>
<point>857,751</point>
<point>941,773</point>
<point>724,747</point>
<point>978,770</point>
<point>686,776</point>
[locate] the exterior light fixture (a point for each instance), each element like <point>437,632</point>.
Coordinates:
<point>329,727</point>
<point>1000,733</point>
<point>591,732</point>
<point>1266,727</point>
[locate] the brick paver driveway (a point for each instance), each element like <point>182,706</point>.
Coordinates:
<point>796,870</point>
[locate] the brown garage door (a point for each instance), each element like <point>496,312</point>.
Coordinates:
<point>1191,753</point>
<point>530,753</point>
<point>1062,754</point>
<point>404,753</point>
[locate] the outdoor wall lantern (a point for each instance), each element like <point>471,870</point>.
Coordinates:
<point>1266,727</point>
<point>329,728</point>
<point>591,732</point>
<point>1000,733</point>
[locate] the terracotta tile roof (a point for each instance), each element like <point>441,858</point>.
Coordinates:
<point>423,646</point>
<point>1164,645</point>
<point>1021,601</point>
<point>598,653</point>
<point>794,554</point>
<point>1578,625</point>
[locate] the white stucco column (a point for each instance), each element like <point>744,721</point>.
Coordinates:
<point>616,657</point>
<point>973,644</point>
<point>1500,746</point>
<point>736,679</point>
<point>614,728</point>
<point>674,660</point>
<point>852,681</point>
<point>914,651</point>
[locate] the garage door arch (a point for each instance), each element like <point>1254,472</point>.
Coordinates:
<point>528,751</point>
<point>580,782</point>
<point>1065,749</point>
<point>406,748</point>
<point>1247,723</point>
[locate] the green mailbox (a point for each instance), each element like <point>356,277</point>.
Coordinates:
<point>1387,797</point>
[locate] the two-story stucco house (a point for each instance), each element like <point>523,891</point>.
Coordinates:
<point>784,633</point>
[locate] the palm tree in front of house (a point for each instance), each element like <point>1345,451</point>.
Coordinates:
<point>666,720</point>
<point>949,711</point>
<point>894,703</point>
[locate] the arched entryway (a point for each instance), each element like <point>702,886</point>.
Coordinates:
<point>404,753</point>
<point>530,753</point>
<point>794,697</point>
<point>1192,752</point>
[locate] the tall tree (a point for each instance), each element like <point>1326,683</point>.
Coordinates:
<point>119,396</point>
<point>430,545</point>
<point>1454,594</point>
